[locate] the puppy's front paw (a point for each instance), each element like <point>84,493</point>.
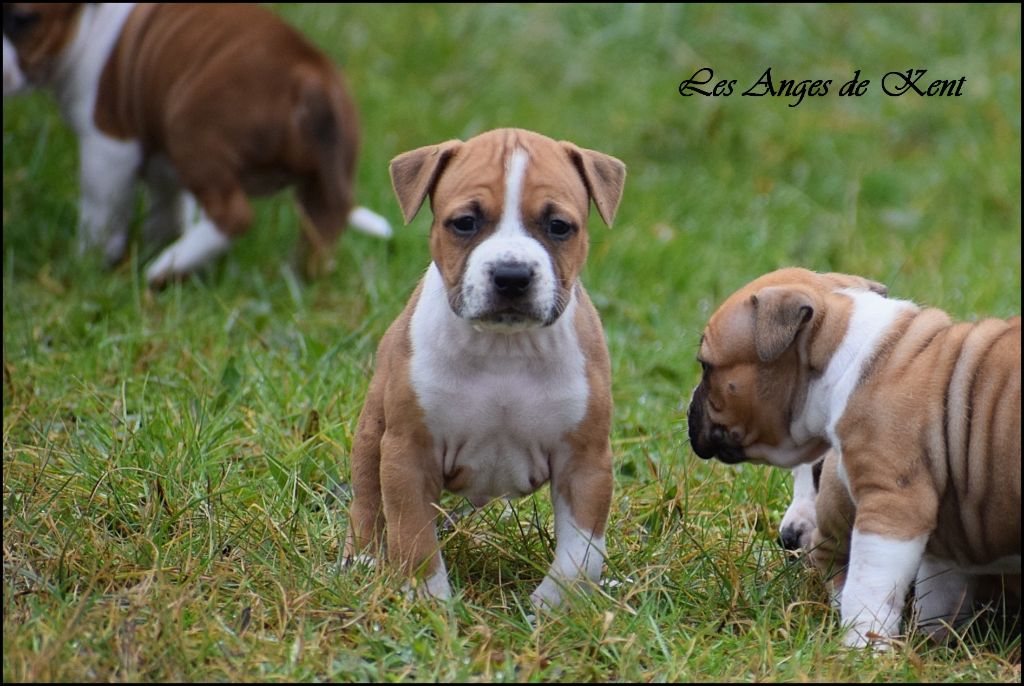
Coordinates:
<point>434,586</point>
<point>547,596</point>
<point>855,638</point>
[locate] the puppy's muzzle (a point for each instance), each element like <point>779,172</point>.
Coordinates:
<point>512,295</point>
<point>707,438</point>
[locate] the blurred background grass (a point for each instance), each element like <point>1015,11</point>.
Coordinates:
<point>171,459</point>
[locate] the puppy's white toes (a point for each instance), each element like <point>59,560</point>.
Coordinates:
<point>199,245</point>
<point>547,596</point>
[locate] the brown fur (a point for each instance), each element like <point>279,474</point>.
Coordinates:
<point>947,463</point>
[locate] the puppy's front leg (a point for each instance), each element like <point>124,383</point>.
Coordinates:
<point>799,522</point>
<point>410,492</point>
<point>884,560</point>
<point>581,493</point>
<point>107,169</point>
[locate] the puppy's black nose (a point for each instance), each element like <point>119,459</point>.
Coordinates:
<point>790,538</point>
<point>512,279</point>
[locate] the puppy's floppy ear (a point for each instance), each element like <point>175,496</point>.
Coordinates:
<point>603,176</point>
<point>851,281</point>
<point>414,174</point>
<point>779,315</point>
<point>877,287</point>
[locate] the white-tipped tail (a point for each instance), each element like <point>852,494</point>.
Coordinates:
<point>369,222</point>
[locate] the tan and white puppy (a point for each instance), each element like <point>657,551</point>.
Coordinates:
<point>209,104</point>
<point>924,414</point>
<point>495,379</point>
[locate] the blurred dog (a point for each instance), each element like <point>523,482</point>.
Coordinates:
<point>209,104</point>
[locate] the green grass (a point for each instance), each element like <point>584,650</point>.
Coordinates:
<point>172,460</point>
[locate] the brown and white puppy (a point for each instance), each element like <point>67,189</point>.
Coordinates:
<point>924,414</point>
<point>495,379</point>
<point>209,103</point>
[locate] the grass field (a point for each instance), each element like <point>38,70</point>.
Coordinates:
<point>172,461</point>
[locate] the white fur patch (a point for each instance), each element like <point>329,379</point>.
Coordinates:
<point>107,172</point>
<point>436,585</point>
<point>942,596</point>
<point>369,222</point>
<point>827,396</point>
<point>75,80</point>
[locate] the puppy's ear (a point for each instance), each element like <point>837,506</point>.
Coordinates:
<point>779,315</point>
<point>877,287</point>
<point>851,281</point>
<point>603,176</point>
<point>414,174</point>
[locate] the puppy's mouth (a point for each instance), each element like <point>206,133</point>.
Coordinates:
<point>507,316</point>
<point>710,440</point>
<point>508,320</point>
<point>718,445</point>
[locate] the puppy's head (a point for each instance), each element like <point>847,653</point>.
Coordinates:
<point>758,352</point>
<point>35,34</point>
<point>510,220</point>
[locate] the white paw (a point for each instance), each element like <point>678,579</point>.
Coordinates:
<point>199,245</point>
<point>798,526</point>
<point>434,586</point>
<point>855,638</point>
<point>547,596</point>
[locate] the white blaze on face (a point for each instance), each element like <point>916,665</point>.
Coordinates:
<point>510,244</point>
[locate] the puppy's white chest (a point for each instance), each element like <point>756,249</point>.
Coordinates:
<point>497,405</point>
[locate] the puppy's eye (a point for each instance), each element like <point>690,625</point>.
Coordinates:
<point>560,229</point>
<point>465,225</point>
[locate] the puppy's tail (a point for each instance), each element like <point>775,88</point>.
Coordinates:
<point>369,222</point>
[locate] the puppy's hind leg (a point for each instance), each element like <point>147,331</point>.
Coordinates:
<point>326,215</point>
<point>943,597</point>
<point>223,214</point>
<point>170,209</point>
<point>107,169</point>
